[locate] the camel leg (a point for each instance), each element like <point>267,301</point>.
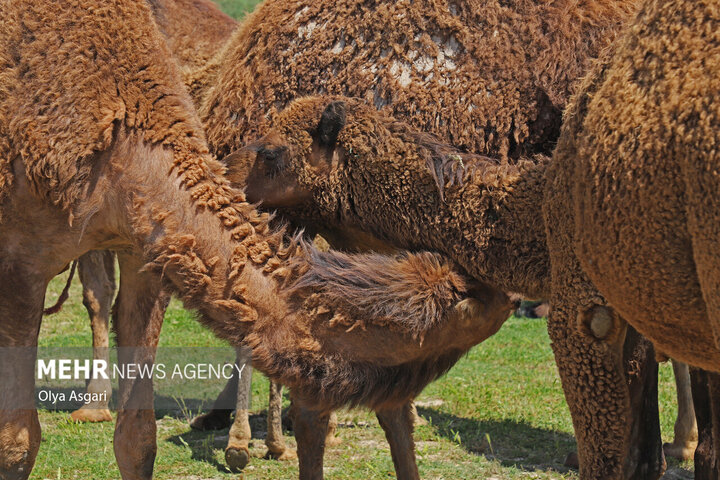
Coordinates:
<point>138,317</point>
<point>310,431</point>
<point>706,395</point>
<point>588,341</point>
<point>237,453</point>
<point>398,426</point>
<point>609,377</point>
<point>220,416</point>
<point>97,275</point>
<point>275,440</point>
<point>331,440</point>
<point>21,308</point>
<point>686,429</point>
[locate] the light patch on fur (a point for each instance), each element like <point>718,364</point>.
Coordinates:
<point>601,323</point>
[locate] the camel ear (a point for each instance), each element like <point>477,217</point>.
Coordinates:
<point>331,123</point>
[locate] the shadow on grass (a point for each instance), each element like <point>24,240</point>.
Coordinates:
<point>203,443</point>
<point>520,445</point>
<point>510,443</point>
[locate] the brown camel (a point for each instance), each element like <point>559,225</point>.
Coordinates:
<point>195,30</point>
<point>340,167</point>
<point>491,79</point>
<point>631,193</point>
<point>101,150</point>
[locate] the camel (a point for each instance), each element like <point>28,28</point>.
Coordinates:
<point>637,150</point>
<point>373,180</point>
<point>101,149</point>
<point>195,30</point>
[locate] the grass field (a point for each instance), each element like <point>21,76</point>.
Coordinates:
<point>498,414</point>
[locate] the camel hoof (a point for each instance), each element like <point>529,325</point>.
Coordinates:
<point>681,452</point>
<point>285,455</point>
<point>572,460</point>
<point>91,415</point>
<point>237,458</point>
<point>210,421</point>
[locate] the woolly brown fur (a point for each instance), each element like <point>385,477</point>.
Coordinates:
<point>638,155</point>
<point>489,77</point>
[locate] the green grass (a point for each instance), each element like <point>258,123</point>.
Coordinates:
<point>499,413</point>
<point>237,8</point>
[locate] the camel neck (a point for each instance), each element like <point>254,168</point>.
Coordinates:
<point>215,251</point>
<point>492,227</point>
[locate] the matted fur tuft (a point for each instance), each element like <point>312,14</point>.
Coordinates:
<point>413,290</point>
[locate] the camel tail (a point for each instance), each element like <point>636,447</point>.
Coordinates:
<point>65,293</point>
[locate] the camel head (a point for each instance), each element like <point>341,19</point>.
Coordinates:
<point>341,168</point>
<point>295,158</point>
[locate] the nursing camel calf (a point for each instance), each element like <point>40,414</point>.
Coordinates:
<point>100,149</point>
<point>195,30</point>
<point>341,168</point>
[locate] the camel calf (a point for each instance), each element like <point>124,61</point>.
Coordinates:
<point>194,31</point>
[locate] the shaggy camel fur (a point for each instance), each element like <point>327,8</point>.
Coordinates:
<point>631,194</point>
<point>360,178</point>
<point>100,149</point>
<point>480,76</point>
<point>490,77</point>
<point>195,30</point>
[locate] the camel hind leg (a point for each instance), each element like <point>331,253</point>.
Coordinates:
<point>97,275</point>
<point>686,429</point>
<point>21,308</point>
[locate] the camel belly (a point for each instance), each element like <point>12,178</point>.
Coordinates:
<point>639,255</point>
